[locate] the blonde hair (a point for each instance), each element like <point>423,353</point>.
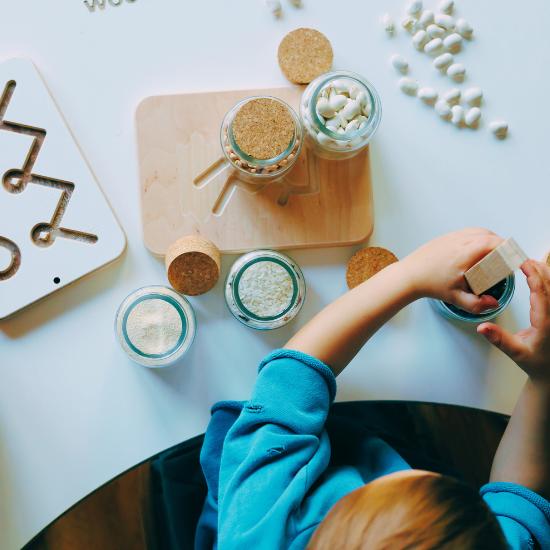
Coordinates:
<point>420,512</point>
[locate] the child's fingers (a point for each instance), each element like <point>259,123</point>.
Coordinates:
<point>508,343</point>
<point>539,293</point>
<point>474,304</point>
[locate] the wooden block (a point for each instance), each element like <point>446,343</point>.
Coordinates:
<point>495,267</point>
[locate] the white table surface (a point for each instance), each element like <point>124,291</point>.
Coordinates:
<point>74,412</point>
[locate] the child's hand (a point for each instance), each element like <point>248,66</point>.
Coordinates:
<point>529,348</point>
<point>438,268</point>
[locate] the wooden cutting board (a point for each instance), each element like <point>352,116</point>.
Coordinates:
<point>325,203</point>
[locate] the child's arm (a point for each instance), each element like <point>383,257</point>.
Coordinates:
<point>436,270</point>
<point>277,448</point>
<point>523,456</point>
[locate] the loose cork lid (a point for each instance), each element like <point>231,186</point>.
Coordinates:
<point>193,265</point>
<point>367,263</point>
<point>263,128</point>
<point>305,54</point>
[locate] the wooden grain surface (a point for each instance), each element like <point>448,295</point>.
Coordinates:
<point>329,203</point>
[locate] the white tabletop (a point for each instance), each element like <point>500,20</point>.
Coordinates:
<point>74,411</point>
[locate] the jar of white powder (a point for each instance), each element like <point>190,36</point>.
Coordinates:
<point>155,326</point>
<point>265,289</point>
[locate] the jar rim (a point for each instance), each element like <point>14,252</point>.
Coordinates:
<point>260,163</point>
<point>185,312</point>
<point>245,316</point>
<point>488,315</point>
<point>374,100</point>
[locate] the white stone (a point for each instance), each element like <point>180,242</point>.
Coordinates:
<point>433,46</point>
<point>399,63</point>
<point>472,117</point>
<point>408,85</point>
<point>473,95</point>
<point>445,21</point>
<point>447,6</point>
<point>427,95</point>
<point>441,62</point>
<point>457,116</point>
<point>453,42</point>
<point>435,31</point>
<point>443,109</point>
<point>464,28</point>
<point>457,72</point>
<point>499,128</point>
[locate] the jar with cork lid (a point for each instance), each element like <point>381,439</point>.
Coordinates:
<point>341,112</point>
<point>261,138</point>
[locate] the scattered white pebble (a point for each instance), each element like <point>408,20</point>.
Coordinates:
<point>427,95</point>
<point>419,39</point>
<point>443,109</point>
<point>451,96</point>
<point>499,128</point>
<point>427,18</point>
<point>472,117</point>
<point>453,42</point>
<point>447,6</point>
<point>457,116</point>
<point>457,72</point>
<point>414,8</point>
<point>435,31</point>
<point>296,3</point>
<point>275,7</point>
<point>433,46</point>
<point>324,108</point>
<point>464,28</point>
<point>441,62</point>
<point>445,21</point>
<point>388,24</point>
<point>409,24</point>
<point>473,95</point>
<point>399,63</point>
<point>408,85</point>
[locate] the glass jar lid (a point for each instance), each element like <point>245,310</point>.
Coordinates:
<point>155,326</point>
<point>265,289</point>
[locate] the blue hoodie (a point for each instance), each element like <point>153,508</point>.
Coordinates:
<point>266,463</point>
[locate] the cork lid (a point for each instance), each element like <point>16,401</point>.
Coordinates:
<point>367,263</point>
<point>263,128</point>
<point>305,54</point>
<point>193,265</point>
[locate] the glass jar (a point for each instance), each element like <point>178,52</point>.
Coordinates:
<point>254,170</point>
<point>155,326</point>
<point>265,289</point>
<point>503,292</point>
<point>325,136</point>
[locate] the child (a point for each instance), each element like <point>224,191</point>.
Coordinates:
<point>267,461</point>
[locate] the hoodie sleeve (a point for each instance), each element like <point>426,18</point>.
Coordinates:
<point>524,516</point>
<point>275,451</point>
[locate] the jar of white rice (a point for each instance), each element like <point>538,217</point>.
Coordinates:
<point>265,289</point>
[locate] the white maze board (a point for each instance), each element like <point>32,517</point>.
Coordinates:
<point>55,223</point>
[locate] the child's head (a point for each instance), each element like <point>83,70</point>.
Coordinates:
<point>410,509</point>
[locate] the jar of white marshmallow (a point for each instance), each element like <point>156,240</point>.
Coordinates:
<point>341,112</point>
